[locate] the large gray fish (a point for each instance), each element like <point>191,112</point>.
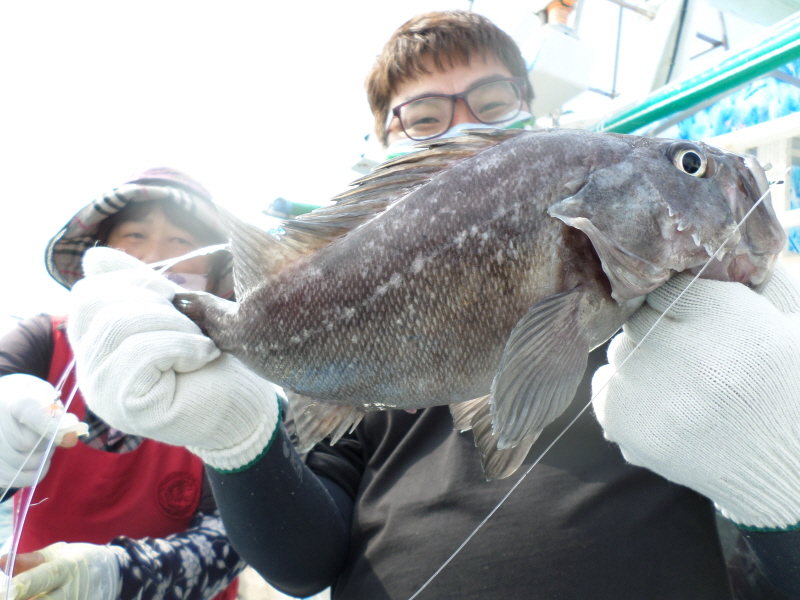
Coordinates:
<point>479,273</point>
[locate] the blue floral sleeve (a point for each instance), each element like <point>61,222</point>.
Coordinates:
<point>196,564</point>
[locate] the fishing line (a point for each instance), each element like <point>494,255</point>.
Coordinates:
<point>594,395</point>
<point>162,265</point>
<point>21,513</point>
<point>62,380</point>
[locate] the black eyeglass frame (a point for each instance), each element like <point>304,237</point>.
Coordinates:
<point>520,82</point>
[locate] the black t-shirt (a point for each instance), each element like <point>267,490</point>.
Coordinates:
<point>375,515</point>
<point>583,524</point>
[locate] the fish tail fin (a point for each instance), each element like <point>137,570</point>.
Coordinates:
<point>207,312</point>
<point>257,254</point>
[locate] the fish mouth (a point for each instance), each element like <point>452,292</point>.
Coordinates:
<point>762,230</point>
<point>751,246</point>
<point>739,268</point>
<point>752,258</point>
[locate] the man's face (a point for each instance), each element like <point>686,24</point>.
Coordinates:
<point>452,80</point>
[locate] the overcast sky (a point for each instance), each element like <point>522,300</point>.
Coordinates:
<point>255,99</point>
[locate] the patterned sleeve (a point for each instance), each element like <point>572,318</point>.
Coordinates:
<point>196,564</point>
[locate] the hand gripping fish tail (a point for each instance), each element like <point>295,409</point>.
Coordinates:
<point>479,272</point>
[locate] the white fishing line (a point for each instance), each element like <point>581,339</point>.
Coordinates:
<point>21,513</point>
<point>62,380</point>
<point>583,410</point>
<point>162,265</point>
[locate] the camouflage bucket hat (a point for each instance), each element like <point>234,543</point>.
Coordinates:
<point>66,248</point>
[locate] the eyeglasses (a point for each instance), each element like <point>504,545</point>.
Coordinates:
<point>490,102</point>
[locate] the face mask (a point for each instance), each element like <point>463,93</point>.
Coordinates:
<point>191,282</point>
<point>523,120</point>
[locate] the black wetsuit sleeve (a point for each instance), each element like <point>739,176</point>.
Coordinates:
<point>28,348</point>
<point>777,557</point>
<point>289,524</point>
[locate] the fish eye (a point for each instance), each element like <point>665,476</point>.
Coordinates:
<point>689,158</point>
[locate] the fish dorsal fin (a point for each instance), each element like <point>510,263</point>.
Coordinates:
<point>388,182</point>
<point>258,255</point>
<point>397,177</point>
<point>542,365</point>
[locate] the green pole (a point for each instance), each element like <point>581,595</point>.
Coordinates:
<point>779,45</point>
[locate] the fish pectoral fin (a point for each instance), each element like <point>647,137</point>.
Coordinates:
<point>465,412</point>
<point>316,419</point>
<point>476,415</point>
<point>542,364</point>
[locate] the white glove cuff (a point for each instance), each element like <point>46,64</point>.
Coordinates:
<point>241,456</point>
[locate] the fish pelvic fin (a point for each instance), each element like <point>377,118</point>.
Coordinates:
<point>315,419</point>
<point>476,415</point>
<point>542,364</point>
<point>465,413</point>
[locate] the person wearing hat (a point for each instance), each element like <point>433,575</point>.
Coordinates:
<point>121,515</point>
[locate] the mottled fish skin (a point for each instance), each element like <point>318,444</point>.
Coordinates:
<point>486,267</point>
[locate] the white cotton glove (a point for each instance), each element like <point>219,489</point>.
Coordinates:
<point>711,399</point>
<point>147,369</point>
<point>29,418</point>
<point>71,572</point>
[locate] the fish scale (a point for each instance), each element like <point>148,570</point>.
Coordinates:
<point>479,272</point>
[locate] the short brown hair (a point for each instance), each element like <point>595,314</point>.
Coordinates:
<point>449,38</point>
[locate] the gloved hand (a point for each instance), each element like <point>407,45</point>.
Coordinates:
<point>711,399</point>
<point>29,414</point>
<point>71,572</point>
<point>147,369</point>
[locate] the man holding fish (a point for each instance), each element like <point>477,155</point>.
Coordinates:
<point>709,401</point>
